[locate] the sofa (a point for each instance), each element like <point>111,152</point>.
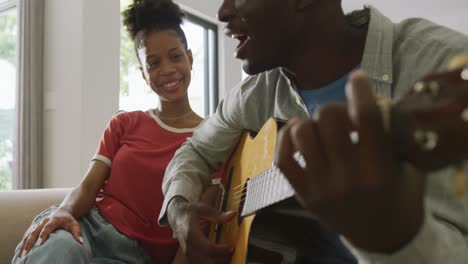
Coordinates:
<point>17,210</point>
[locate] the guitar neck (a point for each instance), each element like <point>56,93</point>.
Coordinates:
<point>265,189</point>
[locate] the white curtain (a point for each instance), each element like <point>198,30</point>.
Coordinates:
<point>29,104</point>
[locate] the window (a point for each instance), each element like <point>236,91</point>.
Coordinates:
<point>8,34</point>
<point>203,91</point>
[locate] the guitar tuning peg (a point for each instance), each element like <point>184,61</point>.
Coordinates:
<point>458,62</point>
<point>464,115</point>
<point>459,180</point>
<point>427,140</point>
<point>432,88</point>
<point>464,74</point>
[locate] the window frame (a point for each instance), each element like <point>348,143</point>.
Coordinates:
<point>8,5</point>
<point>211,61</point>
<point>5,7</point>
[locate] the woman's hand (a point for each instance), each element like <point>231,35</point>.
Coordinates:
<point>39,233</point>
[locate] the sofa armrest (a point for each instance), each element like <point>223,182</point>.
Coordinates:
<point>17,210</point>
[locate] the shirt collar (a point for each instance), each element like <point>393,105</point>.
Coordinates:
<point>377,60</point>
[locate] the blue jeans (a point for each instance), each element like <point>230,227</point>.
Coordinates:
<point>102,244</point>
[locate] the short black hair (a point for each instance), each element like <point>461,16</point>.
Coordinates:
<point>143,17</point>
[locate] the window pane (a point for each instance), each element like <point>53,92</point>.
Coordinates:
<point>135,93</point>
<point>196,42</point>
<point>8,29</point>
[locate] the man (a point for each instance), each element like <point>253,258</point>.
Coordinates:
<point>300,53</point>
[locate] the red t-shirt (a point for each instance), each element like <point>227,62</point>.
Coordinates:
<point>138,147</point>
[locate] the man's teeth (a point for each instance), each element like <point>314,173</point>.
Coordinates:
<point>170,84</point>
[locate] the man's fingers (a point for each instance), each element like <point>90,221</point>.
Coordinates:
<point>363,108</point>
<point>212,215</point>
<point>334,128</point>
<point>211,195</point>
<point>366,117</point>
<point>220,251</point>
<point>202,250</point>
<point>284,158</point>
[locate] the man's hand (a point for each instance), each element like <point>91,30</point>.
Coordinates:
<point>188,221</point>
<point>358,189</point>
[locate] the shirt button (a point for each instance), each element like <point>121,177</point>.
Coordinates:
<point>385,77</point>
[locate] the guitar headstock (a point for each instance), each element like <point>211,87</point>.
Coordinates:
<point>429,126</point>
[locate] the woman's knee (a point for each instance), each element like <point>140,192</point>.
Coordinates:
<point>60,247</point>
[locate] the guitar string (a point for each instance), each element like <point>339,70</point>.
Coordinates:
<point>262,175</point>
<point>240,191</point>
<point>236,201</point>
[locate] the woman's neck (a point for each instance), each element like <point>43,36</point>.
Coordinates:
<point>178,114</point>
<point>171,110</point>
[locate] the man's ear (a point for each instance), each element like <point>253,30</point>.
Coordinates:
<point>302,4</point>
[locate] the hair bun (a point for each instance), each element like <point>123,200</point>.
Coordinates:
<point>145,14</point>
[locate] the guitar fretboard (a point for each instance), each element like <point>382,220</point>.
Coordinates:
<point>265,189</point>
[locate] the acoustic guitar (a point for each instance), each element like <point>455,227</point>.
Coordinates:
<point>422,125</point>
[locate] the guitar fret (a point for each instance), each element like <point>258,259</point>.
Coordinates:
<point>263,194</point>
<point>256,193</point>
<point>266,189</point>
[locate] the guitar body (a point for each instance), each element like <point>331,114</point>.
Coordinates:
<point>251,157</point>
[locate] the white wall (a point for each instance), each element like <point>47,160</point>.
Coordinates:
<point>81,81</point>
<point>82,39</point>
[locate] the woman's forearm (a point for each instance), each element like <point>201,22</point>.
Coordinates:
<point>80,200</point>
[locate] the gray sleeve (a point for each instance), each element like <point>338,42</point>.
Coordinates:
<point>189,172</point>
<point>436,242</point>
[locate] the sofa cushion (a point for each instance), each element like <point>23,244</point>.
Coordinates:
<point>17,210</point>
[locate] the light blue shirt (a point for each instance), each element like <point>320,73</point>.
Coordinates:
<point>333,92</point>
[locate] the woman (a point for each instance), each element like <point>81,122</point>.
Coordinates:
<point>111,216</point>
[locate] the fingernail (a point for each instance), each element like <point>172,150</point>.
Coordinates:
<point>231,212</point>
<point>81,240</point>
<point>357,74</point>
<point>39,241</point>
<point>294,120</point>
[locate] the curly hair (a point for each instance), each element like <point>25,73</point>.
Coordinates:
<point>143,17</point>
